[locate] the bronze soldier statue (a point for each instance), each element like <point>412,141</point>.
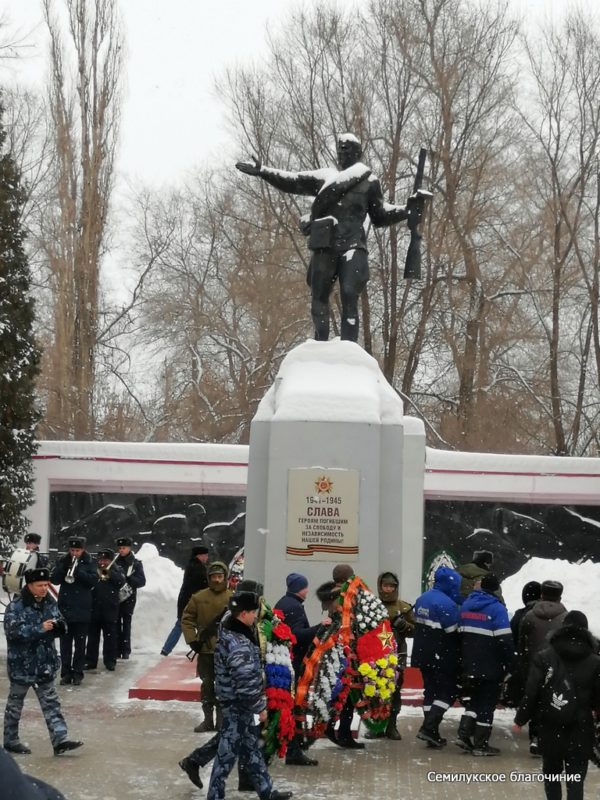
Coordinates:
<point>337,237</point>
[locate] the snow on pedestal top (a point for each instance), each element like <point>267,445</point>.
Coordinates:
<point>334,381</point>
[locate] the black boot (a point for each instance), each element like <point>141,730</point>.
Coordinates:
<point>208,723</point>
<point>192,771</point>
<point>66,746</point>
<point>296,757</point>
<point>429,730</point>
<point>481,746</point>
<point>218,718</point>
<point>277,795</point>
<point>391,731</point>
<point>466,729</point>
<point>244,781</point>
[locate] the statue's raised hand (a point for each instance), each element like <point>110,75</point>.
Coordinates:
<point>248,167</point>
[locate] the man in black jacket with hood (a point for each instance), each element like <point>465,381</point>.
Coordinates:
<point>563,690</point>
<point>195,578</point>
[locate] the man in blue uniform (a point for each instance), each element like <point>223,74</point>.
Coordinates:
<point>436,650</point>
<point>487,658</point>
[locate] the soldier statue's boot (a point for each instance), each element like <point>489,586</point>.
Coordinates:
<point>207,723</point>
<point>466,729</point>
<point>391,731</point>
<point>481,746</point>
<point>429,731</point>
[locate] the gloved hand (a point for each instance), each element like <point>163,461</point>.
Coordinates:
<point>248,168</point>
<point>196,646</point>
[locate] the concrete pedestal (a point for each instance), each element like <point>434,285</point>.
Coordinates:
<point>335,475</point>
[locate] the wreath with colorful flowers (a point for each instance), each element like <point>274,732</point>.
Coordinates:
<point>276,640</point>
<point>355,655</point>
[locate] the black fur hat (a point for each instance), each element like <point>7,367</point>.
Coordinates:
<point>124,541</point>
<point>108,553</point>
<point>552,590</point>
<point>32,538</point>
<point>328,591</point>
<point>244,601</point>
<point>490,584</point>
<point>77,541</point>
<point>33,575</point>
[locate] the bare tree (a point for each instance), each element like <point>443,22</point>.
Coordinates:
<point>86,52</point>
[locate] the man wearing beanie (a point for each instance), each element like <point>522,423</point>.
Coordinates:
<point>487,657</point>
<point>76,575</point>
<point>567,668</point>
<point>294,616</point>
<point>473,572</point>
<point>200,624</point>
<point>194,579</point>
<point>31,623</point>
<point>240,690</point>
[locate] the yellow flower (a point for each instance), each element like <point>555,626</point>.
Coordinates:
<point>384,694</point>
<point>389,673</point>
<point>381,662</point>
<point>369,690</point>
<point>391,686</point>
<point>372,674</point>
<point>381,682</point>
<point>364,668</point>
<point>393,660</point>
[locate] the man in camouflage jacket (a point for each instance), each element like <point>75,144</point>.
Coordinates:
<point>31,623</point>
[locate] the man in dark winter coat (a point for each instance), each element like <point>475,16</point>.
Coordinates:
<point>487,657</point>
<point>566,717</point>
<point>546,616</point>
<point>76,575</point>
<point>194,579</point>
<point>105,613</point>
<point>135,579</point>
<point>336,231</point>
<point>472,573</point>
<point>240,690</point>
<point>516,684</point>
<point>436,650</point>
<point>18,786</point>
<point>31,623</point>
<point>294,616</point>
<point>200,624</point>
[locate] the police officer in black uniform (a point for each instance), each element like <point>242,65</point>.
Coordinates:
<point>134,579</point>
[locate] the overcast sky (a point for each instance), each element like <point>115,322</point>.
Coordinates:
<point>172,120</point>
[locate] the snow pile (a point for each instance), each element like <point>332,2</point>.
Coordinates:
<point>333,381</point>
<point>156,607</point>
<point>579,581</point>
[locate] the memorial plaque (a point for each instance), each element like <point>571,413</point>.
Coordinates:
<point>322,514</point>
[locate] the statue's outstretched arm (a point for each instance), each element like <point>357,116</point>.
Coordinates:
<point>382,213</point>
<point>307,183</point>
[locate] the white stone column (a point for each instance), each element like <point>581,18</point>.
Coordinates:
<point>330,410</point>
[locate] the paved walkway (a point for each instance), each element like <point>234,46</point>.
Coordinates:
<point>132,748</point>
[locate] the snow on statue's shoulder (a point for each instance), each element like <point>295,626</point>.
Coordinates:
<point>334,381</point>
